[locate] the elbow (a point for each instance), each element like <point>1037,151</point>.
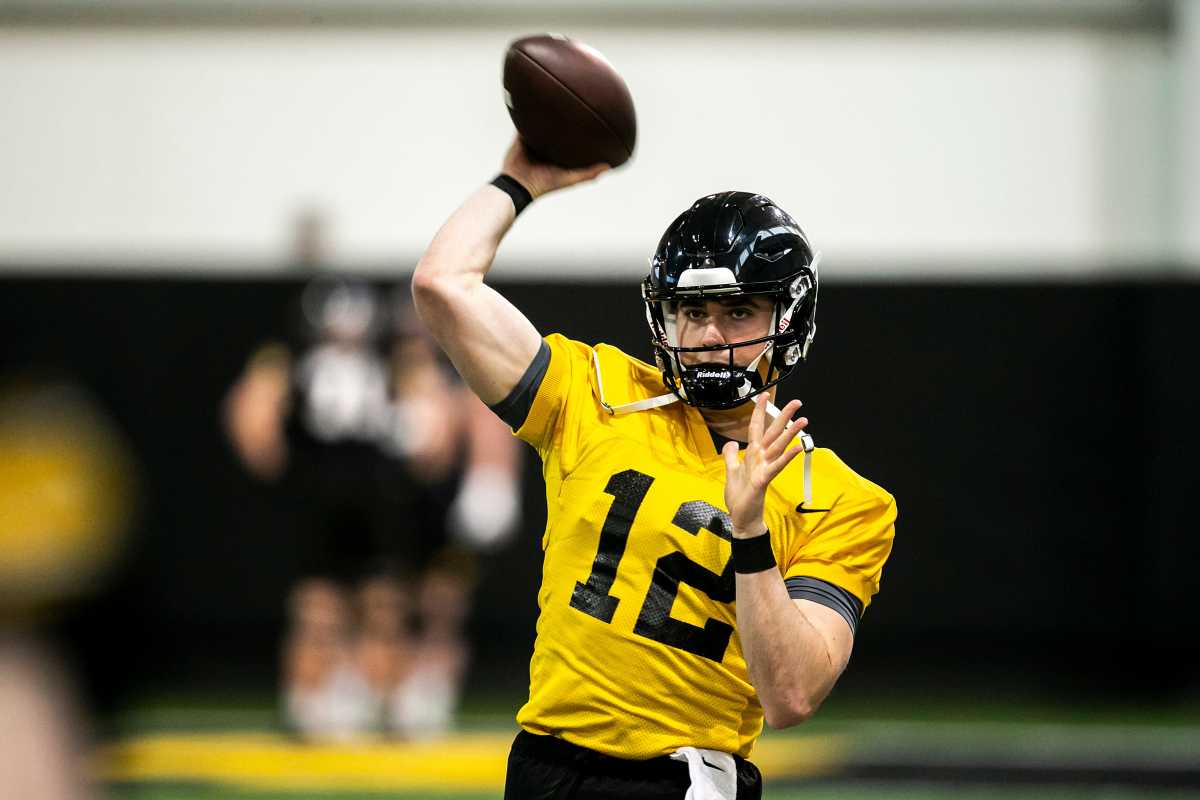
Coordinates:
<point>789,712</point>
<point>435,286</point>
<point>427,286</point>
<point>432,292</point>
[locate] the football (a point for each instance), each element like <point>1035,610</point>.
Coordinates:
<point>569,105</point>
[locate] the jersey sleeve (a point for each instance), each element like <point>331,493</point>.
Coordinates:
<point>849,546</point>
<point>514,408</point>
<point>565,388</point>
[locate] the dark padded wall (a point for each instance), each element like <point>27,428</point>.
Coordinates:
<point>1040,440</point>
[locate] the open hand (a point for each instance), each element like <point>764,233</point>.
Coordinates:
<point>540,177</point>
<point>766,455</point>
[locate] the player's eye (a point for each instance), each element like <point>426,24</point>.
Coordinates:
<point>694,313</point>
<point>741,313</point>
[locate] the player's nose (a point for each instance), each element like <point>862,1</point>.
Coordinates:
<point>712,334</point>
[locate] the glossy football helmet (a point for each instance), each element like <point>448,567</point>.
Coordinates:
<point>728,245</point>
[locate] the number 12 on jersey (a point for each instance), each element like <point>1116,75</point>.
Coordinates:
<point>628,490</point>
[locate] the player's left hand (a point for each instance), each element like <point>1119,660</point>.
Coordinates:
<point>767,453</point>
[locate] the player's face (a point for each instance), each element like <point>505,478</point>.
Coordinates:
<point>704,323</point>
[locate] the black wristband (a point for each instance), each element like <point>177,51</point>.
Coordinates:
<point>753,554</point>
<point>513,188</point>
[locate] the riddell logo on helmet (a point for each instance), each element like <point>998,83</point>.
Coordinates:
<point>722,374</point>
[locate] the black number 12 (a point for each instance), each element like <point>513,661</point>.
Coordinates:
<point>628,490</point>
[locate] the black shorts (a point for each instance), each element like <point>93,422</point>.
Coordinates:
<point>358,513</point>
<point>548,768</point>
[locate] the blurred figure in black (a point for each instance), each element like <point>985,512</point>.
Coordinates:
<point>403,476</point>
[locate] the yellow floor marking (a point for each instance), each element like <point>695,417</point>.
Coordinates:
<point>799,756</point>
<point>462,762</point>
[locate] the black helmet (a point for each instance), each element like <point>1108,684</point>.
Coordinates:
<point>727,245</point>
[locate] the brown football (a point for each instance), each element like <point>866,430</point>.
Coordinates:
<point>570,106</point>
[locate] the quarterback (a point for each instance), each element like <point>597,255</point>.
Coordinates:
<point>705,566</point>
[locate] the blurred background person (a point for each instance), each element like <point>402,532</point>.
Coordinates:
<point>401,477</point>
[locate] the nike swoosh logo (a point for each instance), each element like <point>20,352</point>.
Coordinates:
<point>800,509</point>
<point>704,761</point>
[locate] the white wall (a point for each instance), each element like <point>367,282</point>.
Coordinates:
<point>902,152</point>
<point>1186,130</point>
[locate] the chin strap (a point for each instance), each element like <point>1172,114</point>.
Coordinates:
<point>806,441</point>
<point>628,408</point>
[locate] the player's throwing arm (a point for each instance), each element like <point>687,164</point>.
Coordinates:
<point>570,107</point>
<point>489,340</point>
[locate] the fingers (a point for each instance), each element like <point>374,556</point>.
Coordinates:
<point>559,178</point>
<point>515,158</point>
<point>757,420</point>
<point>780,422</point>
<point>585,174</point>
<point>540,177</point>
<point>784,438</point>
<point>783,429</point>
<point>730,453</point>
<point>777,465</point>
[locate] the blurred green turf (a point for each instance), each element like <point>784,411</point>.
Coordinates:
<point>490,710</point>
<point>941,722</point>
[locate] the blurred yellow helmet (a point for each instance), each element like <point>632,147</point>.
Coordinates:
<point>66,495</point>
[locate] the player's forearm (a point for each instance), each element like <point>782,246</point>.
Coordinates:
<point>463,250</point>
<point>789,661</point>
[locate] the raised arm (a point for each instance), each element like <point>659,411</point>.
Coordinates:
<point>490,341</point>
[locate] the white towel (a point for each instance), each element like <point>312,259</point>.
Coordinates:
<point>713,774</point>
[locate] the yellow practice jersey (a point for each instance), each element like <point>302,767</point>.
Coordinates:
<point>637,654</point>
